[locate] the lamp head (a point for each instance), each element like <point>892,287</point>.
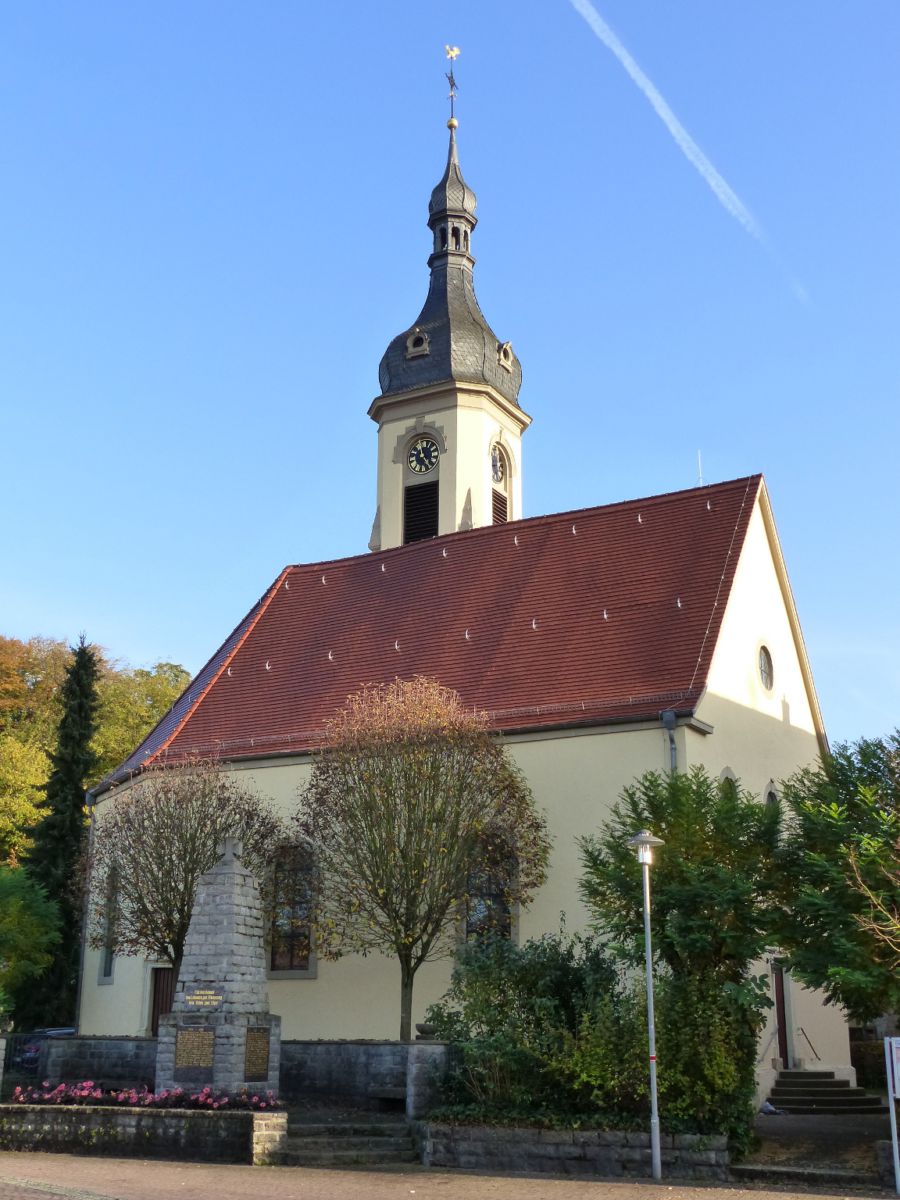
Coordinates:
<point>643,844</point>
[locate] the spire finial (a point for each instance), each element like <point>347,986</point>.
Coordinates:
<point>452,53</point>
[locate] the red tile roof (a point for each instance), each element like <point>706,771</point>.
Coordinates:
<point>601,615</point>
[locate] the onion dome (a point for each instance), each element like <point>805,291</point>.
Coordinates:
<point>450,341</point>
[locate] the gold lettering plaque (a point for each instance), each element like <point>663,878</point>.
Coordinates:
<point>194,1055</point>
<point>256,1055</point>
<point>203,997</point>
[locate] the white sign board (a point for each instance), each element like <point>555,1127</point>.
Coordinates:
<point>892,1068</point>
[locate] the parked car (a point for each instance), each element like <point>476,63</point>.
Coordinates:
<point>26,1055</point>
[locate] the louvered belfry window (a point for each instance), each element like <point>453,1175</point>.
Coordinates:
<point>501,508</point>
<point>420,511</point>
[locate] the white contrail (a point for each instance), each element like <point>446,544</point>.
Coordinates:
<point>729,199</point>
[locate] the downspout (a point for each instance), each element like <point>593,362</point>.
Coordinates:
<point>668,724</point>
<point>89,799</point>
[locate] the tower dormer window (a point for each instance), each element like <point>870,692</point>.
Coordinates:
<point>504,355</point>
<point>417,343</point>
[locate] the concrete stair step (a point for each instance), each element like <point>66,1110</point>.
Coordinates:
<point>811,1175</point>
<point>315,1145</point>
<point>342,1129</point>
<point>345,1158</point>
<point>841,1096</point>
<point>838,1110</point>
<point>813,1085</point>
<point>801,1075</point>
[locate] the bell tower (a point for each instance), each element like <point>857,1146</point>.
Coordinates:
<point>449,423</point>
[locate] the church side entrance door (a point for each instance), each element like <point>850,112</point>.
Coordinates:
<point>162,995</point>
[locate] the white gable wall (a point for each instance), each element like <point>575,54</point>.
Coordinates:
<point>762,736</point>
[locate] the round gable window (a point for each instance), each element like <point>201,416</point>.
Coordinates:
<point>766,671</point>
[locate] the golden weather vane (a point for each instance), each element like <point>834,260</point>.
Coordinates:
<point>452,53</point>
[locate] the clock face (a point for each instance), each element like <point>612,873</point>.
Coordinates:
<point>423,455</point>
<point>496,465</point>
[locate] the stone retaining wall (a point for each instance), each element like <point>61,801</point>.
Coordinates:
<point>201,1136</point>
<point>109,1061</point>
<point>572,1152</point>
<point>350,1070</point>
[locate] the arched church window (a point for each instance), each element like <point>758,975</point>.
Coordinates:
<point>456,237</point>
<point>488,913</point>
<point>443,237</point>
<point>291,913</point>
<point>466,240</point>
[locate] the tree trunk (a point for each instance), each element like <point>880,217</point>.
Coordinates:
<point>407,974</point>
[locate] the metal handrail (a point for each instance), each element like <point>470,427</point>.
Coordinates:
<point>808,1042</point>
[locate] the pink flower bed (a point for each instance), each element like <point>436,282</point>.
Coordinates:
<point>87,1092</point>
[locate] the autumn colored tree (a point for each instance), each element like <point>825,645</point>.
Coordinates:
<point>58,842</point>
<point>154,840</point>
<point>23,773</point>
<point>410,802</point>
<point>131,702</point>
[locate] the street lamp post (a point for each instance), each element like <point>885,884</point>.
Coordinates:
<point>643,844</point>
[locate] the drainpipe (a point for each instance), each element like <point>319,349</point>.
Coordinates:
<point>668,724</point>
<point>89,799</point>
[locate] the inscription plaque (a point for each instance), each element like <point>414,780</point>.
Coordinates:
<point>256,1055</point>
<point>194,1055</point>
<point>203,997</point>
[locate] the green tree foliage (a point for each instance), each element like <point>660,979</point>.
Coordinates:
<point>151,844</point>
<point>840,876</point>
<point>132,702</point>
<point>23,773</point>
<point>32,673</point>
<point>711,919</point>
<point>28,932</point>
<point>515,1015</point>
<point>58,842</point>
<point>410,800</point>
<point>553,1033</point>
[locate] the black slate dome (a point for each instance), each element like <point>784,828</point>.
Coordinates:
<point>450,340</point>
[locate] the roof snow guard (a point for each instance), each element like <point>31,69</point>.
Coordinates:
<point>591,617</point>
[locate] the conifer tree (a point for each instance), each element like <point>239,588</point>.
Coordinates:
<point>59,843</point>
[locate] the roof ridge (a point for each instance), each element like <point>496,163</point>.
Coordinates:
<point>541,519</point>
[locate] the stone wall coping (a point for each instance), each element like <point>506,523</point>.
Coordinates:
<point>538,1134</point>
<point>357,1042</point>
<point>146,1109</point>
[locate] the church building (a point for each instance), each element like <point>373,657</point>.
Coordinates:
<point>643,635</point>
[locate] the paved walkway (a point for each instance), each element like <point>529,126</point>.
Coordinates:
<point>26,1176</point>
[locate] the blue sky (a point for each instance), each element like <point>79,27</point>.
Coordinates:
<point>213,221</point>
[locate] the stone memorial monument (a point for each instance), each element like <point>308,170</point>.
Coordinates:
<point>220,1032</point>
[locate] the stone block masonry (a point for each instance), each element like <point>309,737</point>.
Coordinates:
<point>220,1031</point>
<point>110,1061</point>
<point>193,1136</point>
<point>585,1152</point>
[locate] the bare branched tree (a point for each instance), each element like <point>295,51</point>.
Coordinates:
<point>152,844</point>
<point>411,803</point>
<point>882,918</point>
